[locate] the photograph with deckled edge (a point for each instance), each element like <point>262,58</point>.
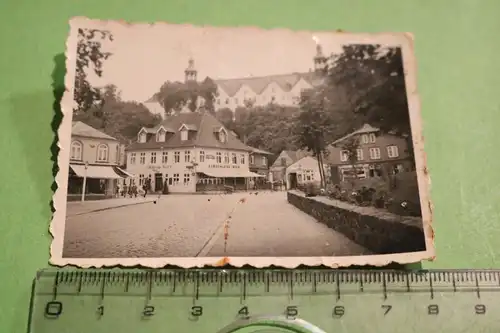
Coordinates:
<point>194,146</point>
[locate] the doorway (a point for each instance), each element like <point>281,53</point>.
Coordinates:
<point>158,182</point>
<point>292,180</point>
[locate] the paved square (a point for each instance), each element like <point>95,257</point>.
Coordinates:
<point>265,224</point>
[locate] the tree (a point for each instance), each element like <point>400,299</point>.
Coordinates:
<point>373,78</point>
<point>315,126</point>
<point>350,147</point>
<point>89,55</point>
<point>225,116</point>
<point>120,119</point>
<point>269,128</point>
<point>173,96</point>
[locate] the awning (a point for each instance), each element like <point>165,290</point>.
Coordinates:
<point>127,174</point>
<point>230,173</point>
<point>95,171</point>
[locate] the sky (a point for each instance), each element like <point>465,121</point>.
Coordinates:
<point>144,57</point>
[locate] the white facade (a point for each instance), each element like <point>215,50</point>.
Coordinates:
<point>179,167</point>
<point>304,171</point>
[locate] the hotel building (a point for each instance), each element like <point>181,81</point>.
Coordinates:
<point>190,152</point>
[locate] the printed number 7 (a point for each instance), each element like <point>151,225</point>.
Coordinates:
<point>386,308</point>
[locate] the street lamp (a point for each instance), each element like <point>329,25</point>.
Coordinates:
<point>86,166</point>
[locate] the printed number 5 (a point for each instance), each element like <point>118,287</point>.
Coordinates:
<point>291,311</point>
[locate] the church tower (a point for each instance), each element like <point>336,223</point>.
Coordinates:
<point>320,61</point>
<point>190,72</point>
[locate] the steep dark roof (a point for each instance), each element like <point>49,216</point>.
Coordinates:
<point>202,134</point>
<point>366,128</point>
<point>297,155</point>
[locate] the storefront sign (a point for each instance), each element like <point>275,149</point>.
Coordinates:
<point>223,166</point>
<point>158,167</point>
<point>210,157</point>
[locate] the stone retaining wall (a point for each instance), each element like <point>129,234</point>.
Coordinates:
<point>379,231</point>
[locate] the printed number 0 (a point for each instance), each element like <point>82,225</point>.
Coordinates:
<point>53,309</point>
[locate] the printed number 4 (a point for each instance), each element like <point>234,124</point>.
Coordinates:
<point>243,312</point>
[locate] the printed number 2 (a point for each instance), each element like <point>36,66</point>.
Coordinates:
<point>148,311</point>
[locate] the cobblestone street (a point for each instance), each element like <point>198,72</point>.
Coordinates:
<point>192,225</point>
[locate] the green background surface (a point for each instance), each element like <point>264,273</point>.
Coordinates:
<point>457,49</point>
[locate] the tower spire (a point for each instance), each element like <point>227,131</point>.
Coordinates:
<point>190,72</point>
<point>320,61</point>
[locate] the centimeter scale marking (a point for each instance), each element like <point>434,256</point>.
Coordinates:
<point>166,283</point>
<point>290,290</point>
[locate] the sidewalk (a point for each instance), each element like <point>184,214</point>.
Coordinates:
<point>78,207</point>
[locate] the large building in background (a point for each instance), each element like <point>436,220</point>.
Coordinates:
<point>284,89</point>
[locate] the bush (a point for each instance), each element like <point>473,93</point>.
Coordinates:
<point>311,190</point>
<point>398,194</point>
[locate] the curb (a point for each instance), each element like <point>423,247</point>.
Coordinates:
<point>108,208</point>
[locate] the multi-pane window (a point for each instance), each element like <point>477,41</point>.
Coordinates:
<point>392,151</point>
<point>375,153</point>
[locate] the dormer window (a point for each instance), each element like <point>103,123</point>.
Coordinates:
<point>184,131</point>
<point>222,135</point>
<point>160,135</point>
<point>184,134</point>
<point>142,137</point>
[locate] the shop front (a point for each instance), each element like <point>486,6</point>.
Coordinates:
<point>219,177</point>
<point>94,182</point>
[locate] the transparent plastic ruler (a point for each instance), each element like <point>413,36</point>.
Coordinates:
<point>212,301</point>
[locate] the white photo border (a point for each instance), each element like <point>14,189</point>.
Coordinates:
<point>57,225</point>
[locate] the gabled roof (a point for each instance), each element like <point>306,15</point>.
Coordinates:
<point>259,83</point>
<point>79,128</point>
<point>166,129</point>
<point>303,158</point>
<point>260,151</point>
<point>203,136</point>
<point>365,129</point>
<point>189,127</point>
<point>297,154</point>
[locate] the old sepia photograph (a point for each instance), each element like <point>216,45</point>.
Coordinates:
<point>192,146</point>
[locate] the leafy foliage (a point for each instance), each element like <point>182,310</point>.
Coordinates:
<point>269,128</point>
<point>373,78</point>
<point>89,55</point>
<point>173,96</point>
<point>120,119</point>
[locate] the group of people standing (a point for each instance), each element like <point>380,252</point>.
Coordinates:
<point>124,190</point>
